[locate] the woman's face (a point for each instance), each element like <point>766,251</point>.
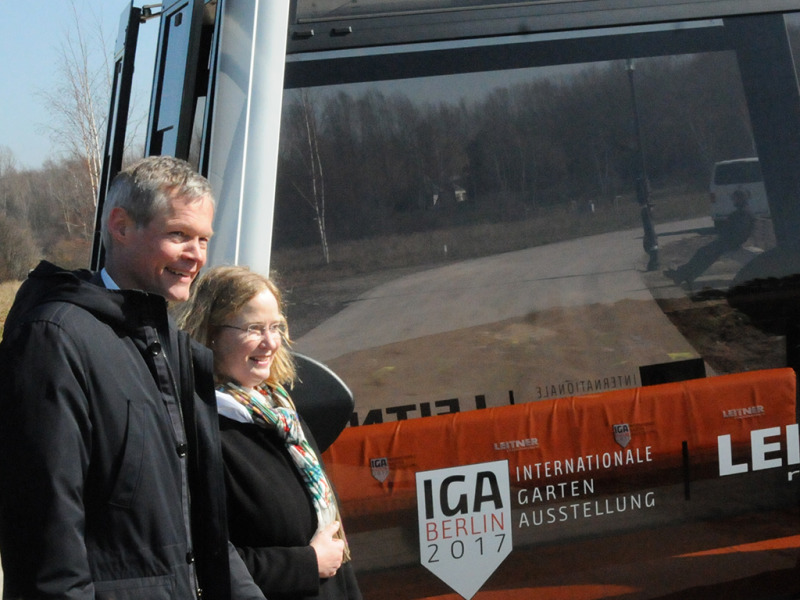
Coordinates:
<point>247,342</point>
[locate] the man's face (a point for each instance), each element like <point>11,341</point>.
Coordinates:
<point>165,256</point>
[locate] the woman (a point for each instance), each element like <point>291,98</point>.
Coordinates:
<point>283,515</point>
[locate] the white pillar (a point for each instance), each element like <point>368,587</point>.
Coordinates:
<point>243,159</point>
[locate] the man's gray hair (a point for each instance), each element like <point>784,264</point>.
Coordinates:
<point>146,187</point>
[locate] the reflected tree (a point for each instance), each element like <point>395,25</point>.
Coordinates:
<point>547,142</point>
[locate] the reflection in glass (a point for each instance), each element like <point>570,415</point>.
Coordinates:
<point>460,242</point>
<point>493,218</point>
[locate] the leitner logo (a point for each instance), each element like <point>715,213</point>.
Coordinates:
<point>514,445</point>
<point>464,518</point>
<point>744,413</point>
<point>766,450</point>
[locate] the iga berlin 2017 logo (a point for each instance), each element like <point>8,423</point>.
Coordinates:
<point>464,516</point>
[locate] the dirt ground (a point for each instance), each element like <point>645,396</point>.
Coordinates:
<point>539,356</point>
<point>724,336</point>
<point>729,339</point>
<point>550,342</point>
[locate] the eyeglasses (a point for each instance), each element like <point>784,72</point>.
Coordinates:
<point>258,331</point>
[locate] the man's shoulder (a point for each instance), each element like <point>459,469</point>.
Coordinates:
<point>49,324</point>
<point>48,292</point>
<point>59,312</point>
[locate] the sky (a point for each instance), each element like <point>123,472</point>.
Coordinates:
<point>32,33</point>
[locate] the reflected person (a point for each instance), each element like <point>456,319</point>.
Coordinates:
<point>733,232</point>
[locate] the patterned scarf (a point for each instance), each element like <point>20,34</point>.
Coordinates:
<point>272,408</point>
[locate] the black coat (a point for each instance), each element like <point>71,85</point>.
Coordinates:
<point>272,518</point>
<point>103,442</point>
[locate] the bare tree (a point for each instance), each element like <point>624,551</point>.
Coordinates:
<point>314,192</point>
<point>79,100</point>
<point>64,186</point>
<point>8,161</point>
<point>8,168</point>
<point>19,251</point>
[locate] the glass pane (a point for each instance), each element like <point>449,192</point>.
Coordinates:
<point>496,216</point>
<point>745,170</point>
<point>551,242</point>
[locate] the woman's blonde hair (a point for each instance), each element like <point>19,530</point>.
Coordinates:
<point>219,294</point>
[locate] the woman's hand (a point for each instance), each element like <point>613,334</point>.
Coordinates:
<point>330,551</point>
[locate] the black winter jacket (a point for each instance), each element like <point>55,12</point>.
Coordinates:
<point>111,482</point>
<point>272,518</point>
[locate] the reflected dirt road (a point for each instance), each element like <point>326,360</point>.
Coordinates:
<point>563,319</point>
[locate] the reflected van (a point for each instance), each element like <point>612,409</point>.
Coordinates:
<point>732,175</point>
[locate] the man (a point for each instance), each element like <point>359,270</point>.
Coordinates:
<point>110,467</point>
<point>733,232</point>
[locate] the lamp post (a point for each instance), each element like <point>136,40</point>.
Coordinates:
<point>649,239</point>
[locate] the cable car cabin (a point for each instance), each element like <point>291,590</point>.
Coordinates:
<point>475,209</point>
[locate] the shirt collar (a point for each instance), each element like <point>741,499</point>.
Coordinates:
<point>107,281</point>
<point>229,407</point>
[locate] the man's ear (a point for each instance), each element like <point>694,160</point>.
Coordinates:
<point>119,224</point>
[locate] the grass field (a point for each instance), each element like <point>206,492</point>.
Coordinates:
<point>303,266</point>
<point>7,291</point>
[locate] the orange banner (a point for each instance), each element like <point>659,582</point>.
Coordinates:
<point>612,434</point>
